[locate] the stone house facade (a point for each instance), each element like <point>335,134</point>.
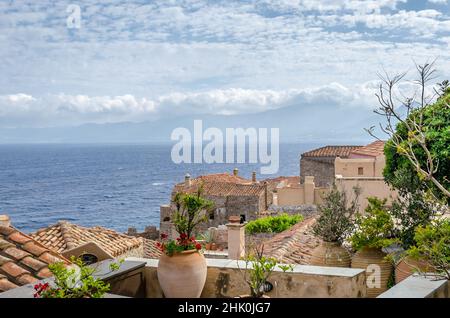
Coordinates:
<point>320,163</point>
<point>232,196</point>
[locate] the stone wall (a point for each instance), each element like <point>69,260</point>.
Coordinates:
<point>224,279</point>
<point>249,206</point>
<point>321,168</point>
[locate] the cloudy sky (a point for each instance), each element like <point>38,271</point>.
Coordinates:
<point>145,60</point>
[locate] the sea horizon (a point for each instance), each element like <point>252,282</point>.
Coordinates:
<point>104,184</point>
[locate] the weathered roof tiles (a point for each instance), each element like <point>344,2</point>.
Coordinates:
<point>22,259</point>
<point>64,236</point>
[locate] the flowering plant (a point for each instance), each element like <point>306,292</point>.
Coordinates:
<point>191,210</point>
<point>73,281</point>
<point>182,243</point>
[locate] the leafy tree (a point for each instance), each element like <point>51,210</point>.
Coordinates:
<point>419,132</point>
<point>433,246</point>
<point>335,222</point>
<point>375,228</point>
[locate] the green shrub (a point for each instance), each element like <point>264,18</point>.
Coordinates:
<point>433,246</point>
<point>273,224</point>
<point>374,229</point>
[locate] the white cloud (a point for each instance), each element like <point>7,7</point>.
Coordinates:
<point>438,1</point>
<point>62,109</point>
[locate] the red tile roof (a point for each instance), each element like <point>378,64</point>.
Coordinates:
<point>65,236</point>
<point>373,149</point>
<point>150,249</point>
<point>331,151</point>
<point>222,184</point>
<point>23,260</point>
<point>295,245</point>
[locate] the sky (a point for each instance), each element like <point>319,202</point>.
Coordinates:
<point>148,60</point>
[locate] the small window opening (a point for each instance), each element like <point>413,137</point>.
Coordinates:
<point>360,171</point>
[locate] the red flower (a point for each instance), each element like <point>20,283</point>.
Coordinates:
<point>198,246</point>
<point>183,236</point>
<point>163,236</point>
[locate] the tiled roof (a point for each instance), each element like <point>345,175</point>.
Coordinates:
<point>222,185</point>
<point>373,149</point>
<point>331,151</point>
<point>65,236</point>
<point>22,259</point>
<point>150,249</point>
<point>223,178</point>
<point>295,245</point>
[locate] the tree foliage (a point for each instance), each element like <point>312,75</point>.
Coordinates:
<point>335,222</point>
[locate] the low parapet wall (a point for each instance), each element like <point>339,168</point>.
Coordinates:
<point>225,280</point>
<point>418,286</point>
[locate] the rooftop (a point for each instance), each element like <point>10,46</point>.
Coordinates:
<point>222,184</point>
<point>23,260</point>
<point>150,249</point>
<point>293,246</point>
<point>373,149</point>
<point>64,236</point>
<point>331,151</point>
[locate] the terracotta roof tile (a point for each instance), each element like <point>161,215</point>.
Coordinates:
<point>15,253</point>
<point>5,284</point>
<point>13,270</point>
<point>19,264</point>
<point>295,245</point>
<point>18,237</point>
<point>331,151</point>
<point>222,184</point>
<point>33,263</point>
<point>150,249</point>
<point>26,279</point>
<point>33,248</point>
<point>64,236</point>
<point>373,149</point>
<point>44,273</point>
<point>6,230</point>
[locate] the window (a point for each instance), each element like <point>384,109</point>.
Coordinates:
<point>360,171</point>
<point>89,259</point>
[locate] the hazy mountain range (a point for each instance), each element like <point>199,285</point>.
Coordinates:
<point>297,123</point>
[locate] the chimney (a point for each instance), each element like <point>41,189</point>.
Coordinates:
<point>5,220</point>
<point>235,171</point>
<point>236,238</point>
<point>254,176</point>
<point>187,179</point>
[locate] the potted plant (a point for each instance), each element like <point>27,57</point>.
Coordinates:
<point>374,230</point>
<point>257,271</point>
<point>182,268</point>
<point>73,281</point>
<point>433,248</point>
<point>209,239</point>
<point>333,225</point>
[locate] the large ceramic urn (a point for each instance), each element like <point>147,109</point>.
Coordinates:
<point>407,266</point>
<point>182,275</point>
<point>378,269</point>
<point>330,254</point>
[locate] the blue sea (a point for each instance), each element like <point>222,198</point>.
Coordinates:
<point>115,186</point>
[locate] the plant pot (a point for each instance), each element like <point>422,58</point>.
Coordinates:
<point>378,269</point>
<point>330,254</point>
<point>182,275</point>
<point>408,266</point>
<point>213,246</point>
<point>208,246</point>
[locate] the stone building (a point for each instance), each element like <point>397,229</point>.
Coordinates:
<point>232,195</point>
<point>319,163</point>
